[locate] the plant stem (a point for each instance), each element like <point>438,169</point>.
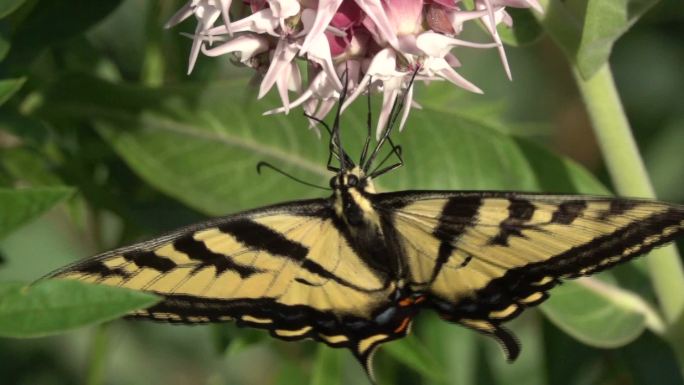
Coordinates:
<point>98,353</point>
<point>630,178</point>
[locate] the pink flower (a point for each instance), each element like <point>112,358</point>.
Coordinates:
<point>381,45</point>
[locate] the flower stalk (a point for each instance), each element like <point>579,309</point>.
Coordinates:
<point>630,178</point>
<point>98,355</point>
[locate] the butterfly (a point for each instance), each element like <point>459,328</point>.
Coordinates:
<point>353,269</point>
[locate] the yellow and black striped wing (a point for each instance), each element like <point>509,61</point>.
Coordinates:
<point>484,257</point>
<point>285,268</point>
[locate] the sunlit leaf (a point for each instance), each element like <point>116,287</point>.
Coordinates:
<point>595,319</point>
<point>53,306</point>
<point>586,33</point>
<point>604,23</point>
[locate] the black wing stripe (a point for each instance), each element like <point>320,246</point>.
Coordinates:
<point>618,244</point>
<point>567,212</point>
<point>618,207</point>
<point>98,268</point>
<point>519,212</point>
<point>151,260</point>
<point>448,232</point>
<point>259,237</point>
<point>197,250</point>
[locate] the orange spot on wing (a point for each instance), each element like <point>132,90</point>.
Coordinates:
<point>406,302</point>
<point>404,324</point>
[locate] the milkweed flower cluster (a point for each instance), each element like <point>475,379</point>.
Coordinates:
<point>374,45</point>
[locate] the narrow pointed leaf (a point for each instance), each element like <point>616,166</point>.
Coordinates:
<point>56,306</point>
<point>20,206</point>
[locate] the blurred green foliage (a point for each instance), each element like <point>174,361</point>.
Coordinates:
<point>96,112</point>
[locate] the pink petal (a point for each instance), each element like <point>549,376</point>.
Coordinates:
<point>382,66</point>
<point>282,83</point>
<point>284,53</point>
<point>405,16</point>
<point>338,44</point>
<point>259,22</point>
<point>319,52</point>
<point>186,11</point>
<point>295,78</point>
<point>491,28</point>
<point>375,11</point>
<point>451,75</point>
<point>348,15</point>
<point>225,12</point>
<point>320,88</point>
<point>389,95</point>
<point>195,49</point>
<point>459,17</point>
<point>282,9</point>
<point>408,101</point>
<point>438,45</point>
<point>324,14</point>
<point>248,45</point>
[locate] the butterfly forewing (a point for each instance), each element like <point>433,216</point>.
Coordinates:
<point>286,269</point>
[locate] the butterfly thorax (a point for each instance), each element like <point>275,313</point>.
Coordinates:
<point>352,200</point>
<point>367,231</point>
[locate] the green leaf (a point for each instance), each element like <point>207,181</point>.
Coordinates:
<point>8,87</point>
<point>9,6</point>
<point>596,317</point>
<point>4,46</point>
<point>454,348</point>
<point>55,306</point>
<point>526,29</point>
<point>529,367</point>
<point>414,354</point>
<point>21,206</point>
<point>327,369</point>
<point>586,31</point>
<point>44,26</point>
<point>605,22</point>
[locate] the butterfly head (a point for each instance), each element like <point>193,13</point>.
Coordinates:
<point>352,179</point>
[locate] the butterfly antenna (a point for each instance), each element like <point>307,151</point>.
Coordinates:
<point>369,119</point>
<point>332,150</point>
<point>294,178</point>
<point>396,110</point>
<point>396,150</point>
<point>335,142</point>
<point>319,121</point>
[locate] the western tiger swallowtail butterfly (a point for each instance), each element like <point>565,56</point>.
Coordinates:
<point>352,270</point>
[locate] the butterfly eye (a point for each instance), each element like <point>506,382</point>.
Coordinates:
<point>352,180</point>
<point>333,182</point>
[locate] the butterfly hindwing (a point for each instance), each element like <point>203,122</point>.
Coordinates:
<point>485,256</point>
<point>284,268</point>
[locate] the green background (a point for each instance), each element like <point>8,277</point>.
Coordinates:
<point>105,141</point>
